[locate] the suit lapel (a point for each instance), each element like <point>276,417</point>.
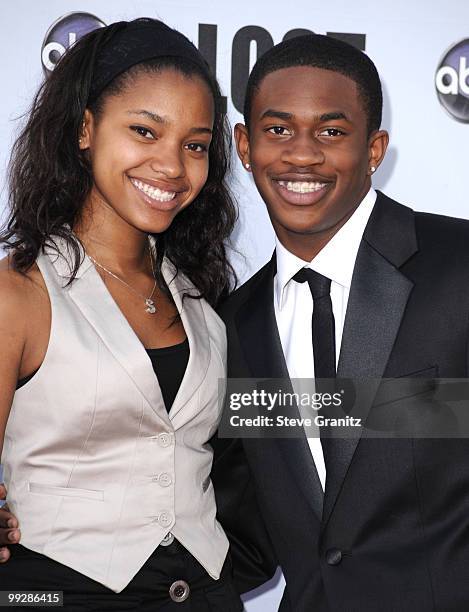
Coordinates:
<point>378,297</point>
<point>258,331</point>
<point>262,348</point>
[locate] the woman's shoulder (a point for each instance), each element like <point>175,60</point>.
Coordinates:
<point>25,318</point>
<point>12,282</point>
<point>18,290</point>
<point>13,318</point>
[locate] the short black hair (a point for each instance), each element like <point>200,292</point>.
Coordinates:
<point>325,52</point>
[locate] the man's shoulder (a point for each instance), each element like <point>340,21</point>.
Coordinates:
<point>236,299</point>
<point>433,233</point>
<point>426,221</point>
<point>442,225</point>
<point>443,241</point>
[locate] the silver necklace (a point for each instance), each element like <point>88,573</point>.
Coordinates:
<point>150,306</point>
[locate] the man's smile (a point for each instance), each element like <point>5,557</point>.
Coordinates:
<point>303,191</point>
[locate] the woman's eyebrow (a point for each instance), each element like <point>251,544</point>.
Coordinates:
<point>146,113</point>
<point>164,121</point>
<point>201,130</point>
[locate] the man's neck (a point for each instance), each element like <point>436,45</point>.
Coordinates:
<point>307,246</point>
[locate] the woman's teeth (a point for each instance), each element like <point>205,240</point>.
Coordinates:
<point>302,186</point>
<point>153,192</point>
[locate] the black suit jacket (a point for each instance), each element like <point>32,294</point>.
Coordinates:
<point>392,531</point>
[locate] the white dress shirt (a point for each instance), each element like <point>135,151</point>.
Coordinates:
<point>293,301</point>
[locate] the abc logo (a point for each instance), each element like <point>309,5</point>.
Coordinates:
<point>452,81</point>
<point>64,33</point>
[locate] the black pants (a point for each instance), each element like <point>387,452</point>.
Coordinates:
<point>149,589</point>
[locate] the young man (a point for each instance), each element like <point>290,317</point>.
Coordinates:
<point>356,524</point>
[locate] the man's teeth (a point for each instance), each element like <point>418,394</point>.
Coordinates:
<point>302,186</point>
<point>153,192</point>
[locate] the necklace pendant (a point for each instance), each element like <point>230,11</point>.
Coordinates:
<point>150,306</point>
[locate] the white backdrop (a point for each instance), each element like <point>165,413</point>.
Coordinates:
<point>428,160</point>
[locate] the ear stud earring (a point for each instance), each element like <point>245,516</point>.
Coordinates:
<point>372,169</point>
<point>80,138</point>
<point>247,165</point>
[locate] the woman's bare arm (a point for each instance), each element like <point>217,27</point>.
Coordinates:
<point>13,296</point>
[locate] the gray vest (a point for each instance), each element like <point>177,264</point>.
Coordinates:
<point>97,472</point>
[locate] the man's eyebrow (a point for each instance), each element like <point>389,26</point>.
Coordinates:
<point>273,114</point>
<point>333,116</point>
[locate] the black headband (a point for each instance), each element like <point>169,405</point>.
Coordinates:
<point>133,42</point>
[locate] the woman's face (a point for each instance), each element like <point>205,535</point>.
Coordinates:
<point>149,148</point>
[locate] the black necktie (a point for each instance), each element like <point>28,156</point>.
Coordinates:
<point>323,325</point>
<point>323,333</point>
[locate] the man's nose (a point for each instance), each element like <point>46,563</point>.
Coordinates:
<point>304,150</point>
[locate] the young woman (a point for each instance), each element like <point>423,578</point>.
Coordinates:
<point>111,352</point>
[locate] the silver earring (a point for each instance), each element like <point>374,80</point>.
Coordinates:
<point>80,139</point>
<point>247,165</point>
<point>372,169</point>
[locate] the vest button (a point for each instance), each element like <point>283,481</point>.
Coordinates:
<point>165,439</point>
<point>179,591</point>
<point>333,556</point>
<point>164,479</point>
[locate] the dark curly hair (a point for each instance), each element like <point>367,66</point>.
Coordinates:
<point>319,51</point>
<point>50,178</point>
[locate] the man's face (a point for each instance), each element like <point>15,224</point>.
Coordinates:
<point>310,153</point>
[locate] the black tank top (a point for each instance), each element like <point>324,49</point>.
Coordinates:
<point>169,364</point>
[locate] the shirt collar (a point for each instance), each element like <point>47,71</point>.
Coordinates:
<point>336,260</point>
